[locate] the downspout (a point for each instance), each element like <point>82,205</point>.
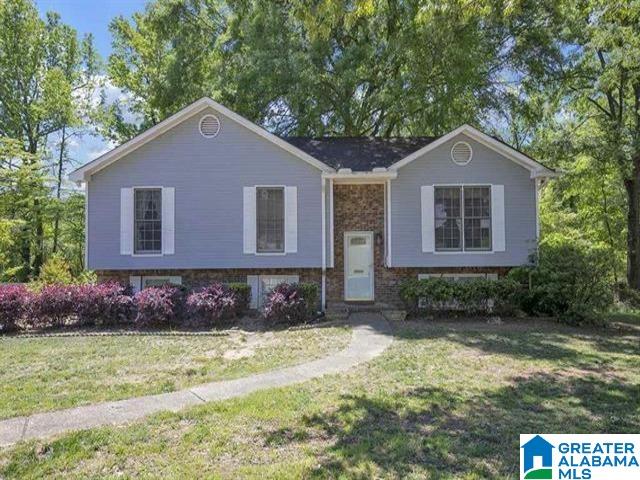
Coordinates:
<point>538,184</point>
<point>86,224</point>
<point>324,244</point>
<point>388,211</point>
<point>331,241</point>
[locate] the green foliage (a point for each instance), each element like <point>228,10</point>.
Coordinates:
<point>571,282</point>
<point>628,296</point>
<point>56,270</point>
<point>479,296</point>
<point>48,77</point>
<point>312,68</point>
<point>86,277</point>
<point>242,292</point>
<point>311,294</point>
<point>584,59</point>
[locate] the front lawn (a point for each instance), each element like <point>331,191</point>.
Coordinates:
<point>446,400</point>
<point>51,373</point>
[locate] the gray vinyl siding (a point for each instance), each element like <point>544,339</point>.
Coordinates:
<point>208,176</point>
<point>486,167</point>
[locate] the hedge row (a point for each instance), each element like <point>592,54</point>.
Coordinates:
<point>479,296</point>
<point>110,304</point>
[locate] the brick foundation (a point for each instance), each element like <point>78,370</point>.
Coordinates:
<point>200,277</point>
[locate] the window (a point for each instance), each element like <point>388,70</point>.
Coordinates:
<point>148,220</point>
<point>463,218</point>
<point>477,218</point>
<point>264,284</point>
<point>270,219</point>
<point>448,218</point>
<point>160,281</point>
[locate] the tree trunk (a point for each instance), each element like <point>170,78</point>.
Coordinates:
<point>56,223</point>
<point>632,186</point>
<point>38,253</point>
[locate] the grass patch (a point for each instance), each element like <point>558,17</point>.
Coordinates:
<point>50,373</point>
<point>446,400</point>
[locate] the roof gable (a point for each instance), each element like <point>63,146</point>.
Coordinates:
<point>82,173</point>
<point>535,167</point>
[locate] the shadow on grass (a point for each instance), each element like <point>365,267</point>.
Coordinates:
<point>445,433</point>
<point>429,430</point>
<point>530,340</point>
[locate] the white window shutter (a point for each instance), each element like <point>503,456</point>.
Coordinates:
<point>135,282</point>
<point>497,218</point>
<point>168,220</point>
<point>126,221</point>
<point>254,282</point>
<point>428,222</point>
<point>291,219</point>
<point>249,219</point>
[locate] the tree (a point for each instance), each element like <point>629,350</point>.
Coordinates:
<point>588,54</point>
<point>21,186</point>
<point>313,68</point>
<point>44,71</point>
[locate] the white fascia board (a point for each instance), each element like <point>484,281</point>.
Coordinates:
<point>361,176</point>
<point>82,173</point>
<point>488,141</point>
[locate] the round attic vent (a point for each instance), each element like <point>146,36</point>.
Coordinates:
<point>461,153</point>
<point>209,126</point>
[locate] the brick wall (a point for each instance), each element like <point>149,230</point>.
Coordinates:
<point>194,278</point>
<point>355,208</point>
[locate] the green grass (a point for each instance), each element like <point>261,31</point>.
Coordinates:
<point>628,318</point>
<point>50,373</point>
<point>446,400</point>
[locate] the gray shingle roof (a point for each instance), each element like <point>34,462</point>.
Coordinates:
<point>360,154</point>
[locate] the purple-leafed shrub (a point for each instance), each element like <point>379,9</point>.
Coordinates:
<point>103,304</point>
<point>54,305</point>
<point>158,306</point>
<point>15,301</point>
<point>212,304</point>
<point>285,303</point>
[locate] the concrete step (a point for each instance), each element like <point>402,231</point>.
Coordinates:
<point>341,311</point>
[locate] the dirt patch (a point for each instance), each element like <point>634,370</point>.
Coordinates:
<point>237,354</point>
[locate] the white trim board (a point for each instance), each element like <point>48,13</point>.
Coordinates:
<point>81,174</point>
<point>537,169</point>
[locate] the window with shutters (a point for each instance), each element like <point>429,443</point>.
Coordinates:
<point>270,219</point>
<point>462,218</point>
<point>148,220</point>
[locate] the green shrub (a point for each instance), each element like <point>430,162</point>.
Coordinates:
<point>628,296</point>
<point>479,296</point>
<point>242,292</point>
<point>55,271</point>
<point>311,294</point>
<point>571,282</point>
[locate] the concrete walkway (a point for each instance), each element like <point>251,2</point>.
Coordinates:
<point>370,337</point>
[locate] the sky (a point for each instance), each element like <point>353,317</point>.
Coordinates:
<point>91,16</point>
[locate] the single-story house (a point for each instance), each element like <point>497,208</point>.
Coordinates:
<point>206,195</point>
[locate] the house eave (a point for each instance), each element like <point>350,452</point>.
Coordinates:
<point>360,177</point>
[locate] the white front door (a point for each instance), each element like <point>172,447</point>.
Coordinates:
<point>358,266</point>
